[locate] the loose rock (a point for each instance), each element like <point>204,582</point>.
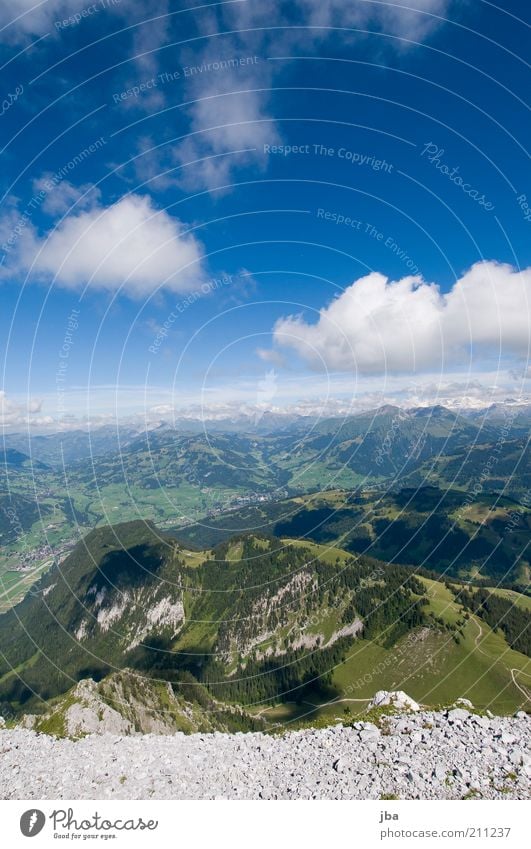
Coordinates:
<point>453,758</point>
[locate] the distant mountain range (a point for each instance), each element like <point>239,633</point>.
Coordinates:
<point>70,445</point>
<point>178,476</point>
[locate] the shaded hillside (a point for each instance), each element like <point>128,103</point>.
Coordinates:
<point>18,514</point>
<point>128,596</point>
<point>438,529</point>
<point>503,467</point>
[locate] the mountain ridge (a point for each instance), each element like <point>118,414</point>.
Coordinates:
<point>254,621</point>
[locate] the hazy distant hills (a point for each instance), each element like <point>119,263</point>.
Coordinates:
<point>502,467</point>
<point>391,442</point>
<point>15,460</point>
<point>435,422</point>
<point>56,449</point>
<point>178,476</point>
<point>170,458</point>
<point>380,446</point>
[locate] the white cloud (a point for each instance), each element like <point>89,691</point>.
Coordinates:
<point>413,20</point>
<point>64,194</point>
<point>308,395</point>
<point>407,23</point>
<point>272,356</point>
<point>18,413</point>
<point>228,83</point>
<point>129,245</point>
<point>223,125</point>
<point>149,38</point>
<point>21,20</point>
<point>377,325</point>
<point>25,18</point>
<point>244,120</point>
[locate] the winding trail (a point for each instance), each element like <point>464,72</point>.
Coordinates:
<point>316,706</point>
<point>523,690</point>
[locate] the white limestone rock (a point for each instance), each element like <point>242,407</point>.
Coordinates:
<point>396,698</point>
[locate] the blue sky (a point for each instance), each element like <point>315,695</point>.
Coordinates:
<point>329,197</point>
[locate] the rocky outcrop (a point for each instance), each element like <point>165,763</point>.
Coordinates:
<point>126,703</point>
<point>274,610</point>
<point>395,698</point>
<point>136,613</point>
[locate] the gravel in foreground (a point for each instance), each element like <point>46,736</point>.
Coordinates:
<point>450,755</point>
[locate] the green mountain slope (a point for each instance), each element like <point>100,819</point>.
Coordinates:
<point>503,466</point>
<point>175,476</point>
<point>128,597</point>
<point>256,622</point>
<point>441,530</point>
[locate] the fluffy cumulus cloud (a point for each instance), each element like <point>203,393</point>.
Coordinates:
<point>377,325</point>
<point>64,195</point>
<point>128,246</point>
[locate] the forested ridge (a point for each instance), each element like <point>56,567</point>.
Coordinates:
<point>499,612</point>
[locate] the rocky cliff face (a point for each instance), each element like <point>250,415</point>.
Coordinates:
<point>127,704</point>
<point>132,615</point>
